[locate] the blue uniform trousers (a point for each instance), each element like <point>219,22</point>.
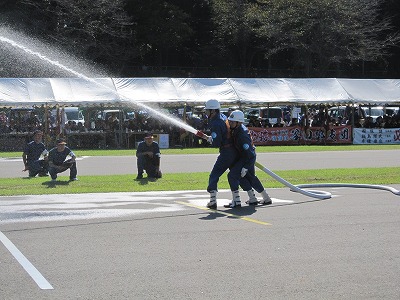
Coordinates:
<point>148,164</point>
<point>38,167</point>
<point>65,166</point>
<point>225,160</point>
<point>247,182</point>
<point>251,180</point>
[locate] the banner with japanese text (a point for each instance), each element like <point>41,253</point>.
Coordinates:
<point>296,135</point>
<point>376,136</point>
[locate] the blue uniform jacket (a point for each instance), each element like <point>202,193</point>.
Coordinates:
<point>244,145</point>
<point>58,158</point>
<point>220,132</point>
<point>33,151</point>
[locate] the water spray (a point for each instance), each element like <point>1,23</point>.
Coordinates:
<point>170,118</point>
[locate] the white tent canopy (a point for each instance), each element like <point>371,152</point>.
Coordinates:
<point>274,91</point>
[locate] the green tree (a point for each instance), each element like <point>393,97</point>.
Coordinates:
<point>162,28</point>
<point>98,30</point>
<point>235,34</point>
<point>319,34</point>
<point>325,33</point>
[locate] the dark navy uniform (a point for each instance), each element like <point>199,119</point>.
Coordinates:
<point>228,154</point>
<point>33,152</point>
<point>242,141</point>
<point>150,164</point>
<point>58,158</point>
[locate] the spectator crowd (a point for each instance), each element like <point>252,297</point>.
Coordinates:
<point>323,118</point>
<point>117,131</point>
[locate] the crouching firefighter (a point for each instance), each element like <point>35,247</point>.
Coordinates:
<point>148,158</point>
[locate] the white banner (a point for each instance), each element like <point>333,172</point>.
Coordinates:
<point>376,136</point>
<point>163,140</point>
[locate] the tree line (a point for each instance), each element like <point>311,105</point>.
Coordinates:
<point>215,38</point>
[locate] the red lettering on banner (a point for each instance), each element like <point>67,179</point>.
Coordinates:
<point>296,135</point>
<point>397,135</point>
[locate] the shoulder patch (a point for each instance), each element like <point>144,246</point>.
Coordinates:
<point>213,135</point>
<point>246,146</point>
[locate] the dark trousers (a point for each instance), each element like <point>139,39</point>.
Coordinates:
<point>148,164</point>
<point>251,180</point>
<point>38,167</point>
<point>225,160</point>
<point>247,182</point>
<point>65,166</point>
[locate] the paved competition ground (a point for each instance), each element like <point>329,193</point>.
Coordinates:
<point>165,245</point>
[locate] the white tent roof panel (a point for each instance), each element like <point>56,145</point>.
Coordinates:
<point>146,89</point>
<point>80,91</point>
<point>25,91</point>
<point>202,89</point>
<point>318,90</point>
<point>378,91</point>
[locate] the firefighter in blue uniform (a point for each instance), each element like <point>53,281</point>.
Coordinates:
<point>220,138</point>
<point>148,158</point>
<point>243,172</point>
<point>32,154</point>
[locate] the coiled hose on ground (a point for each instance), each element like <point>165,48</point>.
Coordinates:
<point>322,194</point>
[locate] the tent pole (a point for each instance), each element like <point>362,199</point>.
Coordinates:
<point>352,123</point>
<point>46,121</point>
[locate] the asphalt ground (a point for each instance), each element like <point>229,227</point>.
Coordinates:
<point>166,245</point>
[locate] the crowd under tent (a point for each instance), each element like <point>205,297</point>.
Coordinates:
<point>17,92</point>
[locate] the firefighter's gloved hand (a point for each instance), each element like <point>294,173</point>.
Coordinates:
<point>209,139</point>
<point>243,172</point>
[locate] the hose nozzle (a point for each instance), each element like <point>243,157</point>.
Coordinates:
<point>201,134</point>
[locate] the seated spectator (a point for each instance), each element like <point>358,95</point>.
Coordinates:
<point>148,158</point>
<point>279,123</point>
<point>340,121</point>
<point>3,118</point>
<point>73,126</point>
<point>32,122</point>
<point>68,127</point>
<point>293,122</point>
<point>33,152</point>
<point>265,123</point>
<point>254,122</point>
<point>58,162</point>
<point>379,122</point>
<point>369,123</point>
<point>81,128</point>
<point>3,122</point>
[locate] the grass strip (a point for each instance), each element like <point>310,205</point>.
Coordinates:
<point>189,181</point>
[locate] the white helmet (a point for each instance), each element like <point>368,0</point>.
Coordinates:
<point>212,104</point>
<point>237,116</point>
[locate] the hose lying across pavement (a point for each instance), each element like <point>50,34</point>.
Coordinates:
<point>322,194</point>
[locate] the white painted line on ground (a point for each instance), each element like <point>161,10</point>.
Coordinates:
<point>25,263</point>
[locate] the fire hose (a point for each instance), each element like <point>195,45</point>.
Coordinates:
<point>322,194</point>
<point>311,193</point>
